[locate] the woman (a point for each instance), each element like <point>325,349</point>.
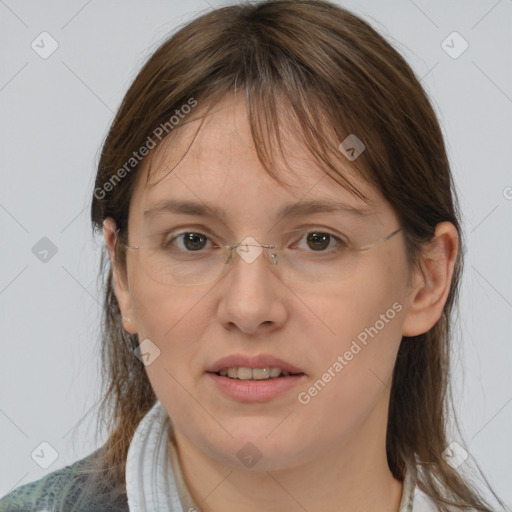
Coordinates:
<point>282,257</point>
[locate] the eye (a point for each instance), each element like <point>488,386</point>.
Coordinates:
<point>190,241</point>
<point>319,241</point>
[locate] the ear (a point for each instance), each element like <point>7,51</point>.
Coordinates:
<point>432,281</point>
<point>120,283</point>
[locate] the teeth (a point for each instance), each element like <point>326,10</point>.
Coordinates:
<point>244,373</point>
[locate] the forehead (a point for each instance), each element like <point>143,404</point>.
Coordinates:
<point>218,165</point>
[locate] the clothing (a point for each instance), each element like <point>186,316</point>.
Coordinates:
<point>154,480</point>
<point>60,491</point>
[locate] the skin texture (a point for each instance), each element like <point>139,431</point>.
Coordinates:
<point>327,455</point>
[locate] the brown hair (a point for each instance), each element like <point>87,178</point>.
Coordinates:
<point>322,70</point>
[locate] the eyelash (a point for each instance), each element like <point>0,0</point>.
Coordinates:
<point>307,231</point>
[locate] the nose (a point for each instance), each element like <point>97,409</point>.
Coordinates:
<point>252,296</point>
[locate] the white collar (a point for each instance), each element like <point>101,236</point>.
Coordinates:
<point>151,482</point>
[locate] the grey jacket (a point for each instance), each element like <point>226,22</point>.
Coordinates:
<point>63,491</point>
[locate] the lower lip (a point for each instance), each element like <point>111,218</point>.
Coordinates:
<point>255,390</point>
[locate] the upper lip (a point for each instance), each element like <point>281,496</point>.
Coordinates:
<point>258,361</point>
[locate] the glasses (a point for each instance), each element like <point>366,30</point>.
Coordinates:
<point>191,258</point>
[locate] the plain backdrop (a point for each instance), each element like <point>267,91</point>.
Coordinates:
<point>55,113</point>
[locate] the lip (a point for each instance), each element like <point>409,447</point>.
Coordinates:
<point>255,390</point>
<point>257,361</point>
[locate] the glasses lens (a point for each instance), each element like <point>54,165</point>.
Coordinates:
<point>166,266</point>
<point>300,256</point>
<point>315,267</point>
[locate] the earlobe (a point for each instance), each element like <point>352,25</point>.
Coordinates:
<point>120,286</point>
<point>432,281</point>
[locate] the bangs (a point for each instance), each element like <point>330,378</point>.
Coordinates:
<point>277,120</point>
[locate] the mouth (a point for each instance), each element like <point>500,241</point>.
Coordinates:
<point>243,386</point>
<point>250,374</point>
<point>253,367</point>
<point>254,378</point>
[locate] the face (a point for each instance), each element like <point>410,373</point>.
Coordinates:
<point>342,335</point>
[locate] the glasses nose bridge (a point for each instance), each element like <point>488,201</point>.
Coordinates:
<point>253,250</point>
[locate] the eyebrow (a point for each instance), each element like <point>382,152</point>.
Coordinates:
<point>293,210</point>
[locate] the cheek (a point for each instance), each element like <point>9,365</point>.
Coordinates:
<point>367,306</point>
<point>174,320</point>
<point>354,373</point>
<point>364,319</point>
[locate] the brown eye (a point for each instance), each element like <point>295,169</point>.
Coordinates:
<point>186,242</point>
<point>194,241</point>
<point>318,241</point>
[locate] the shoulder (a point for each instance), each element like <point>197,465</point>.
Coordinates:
<point>422,502</point>
<point>62,489</point>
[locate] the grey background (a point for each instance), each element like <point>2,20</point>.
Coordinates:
<point>55,114</point>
